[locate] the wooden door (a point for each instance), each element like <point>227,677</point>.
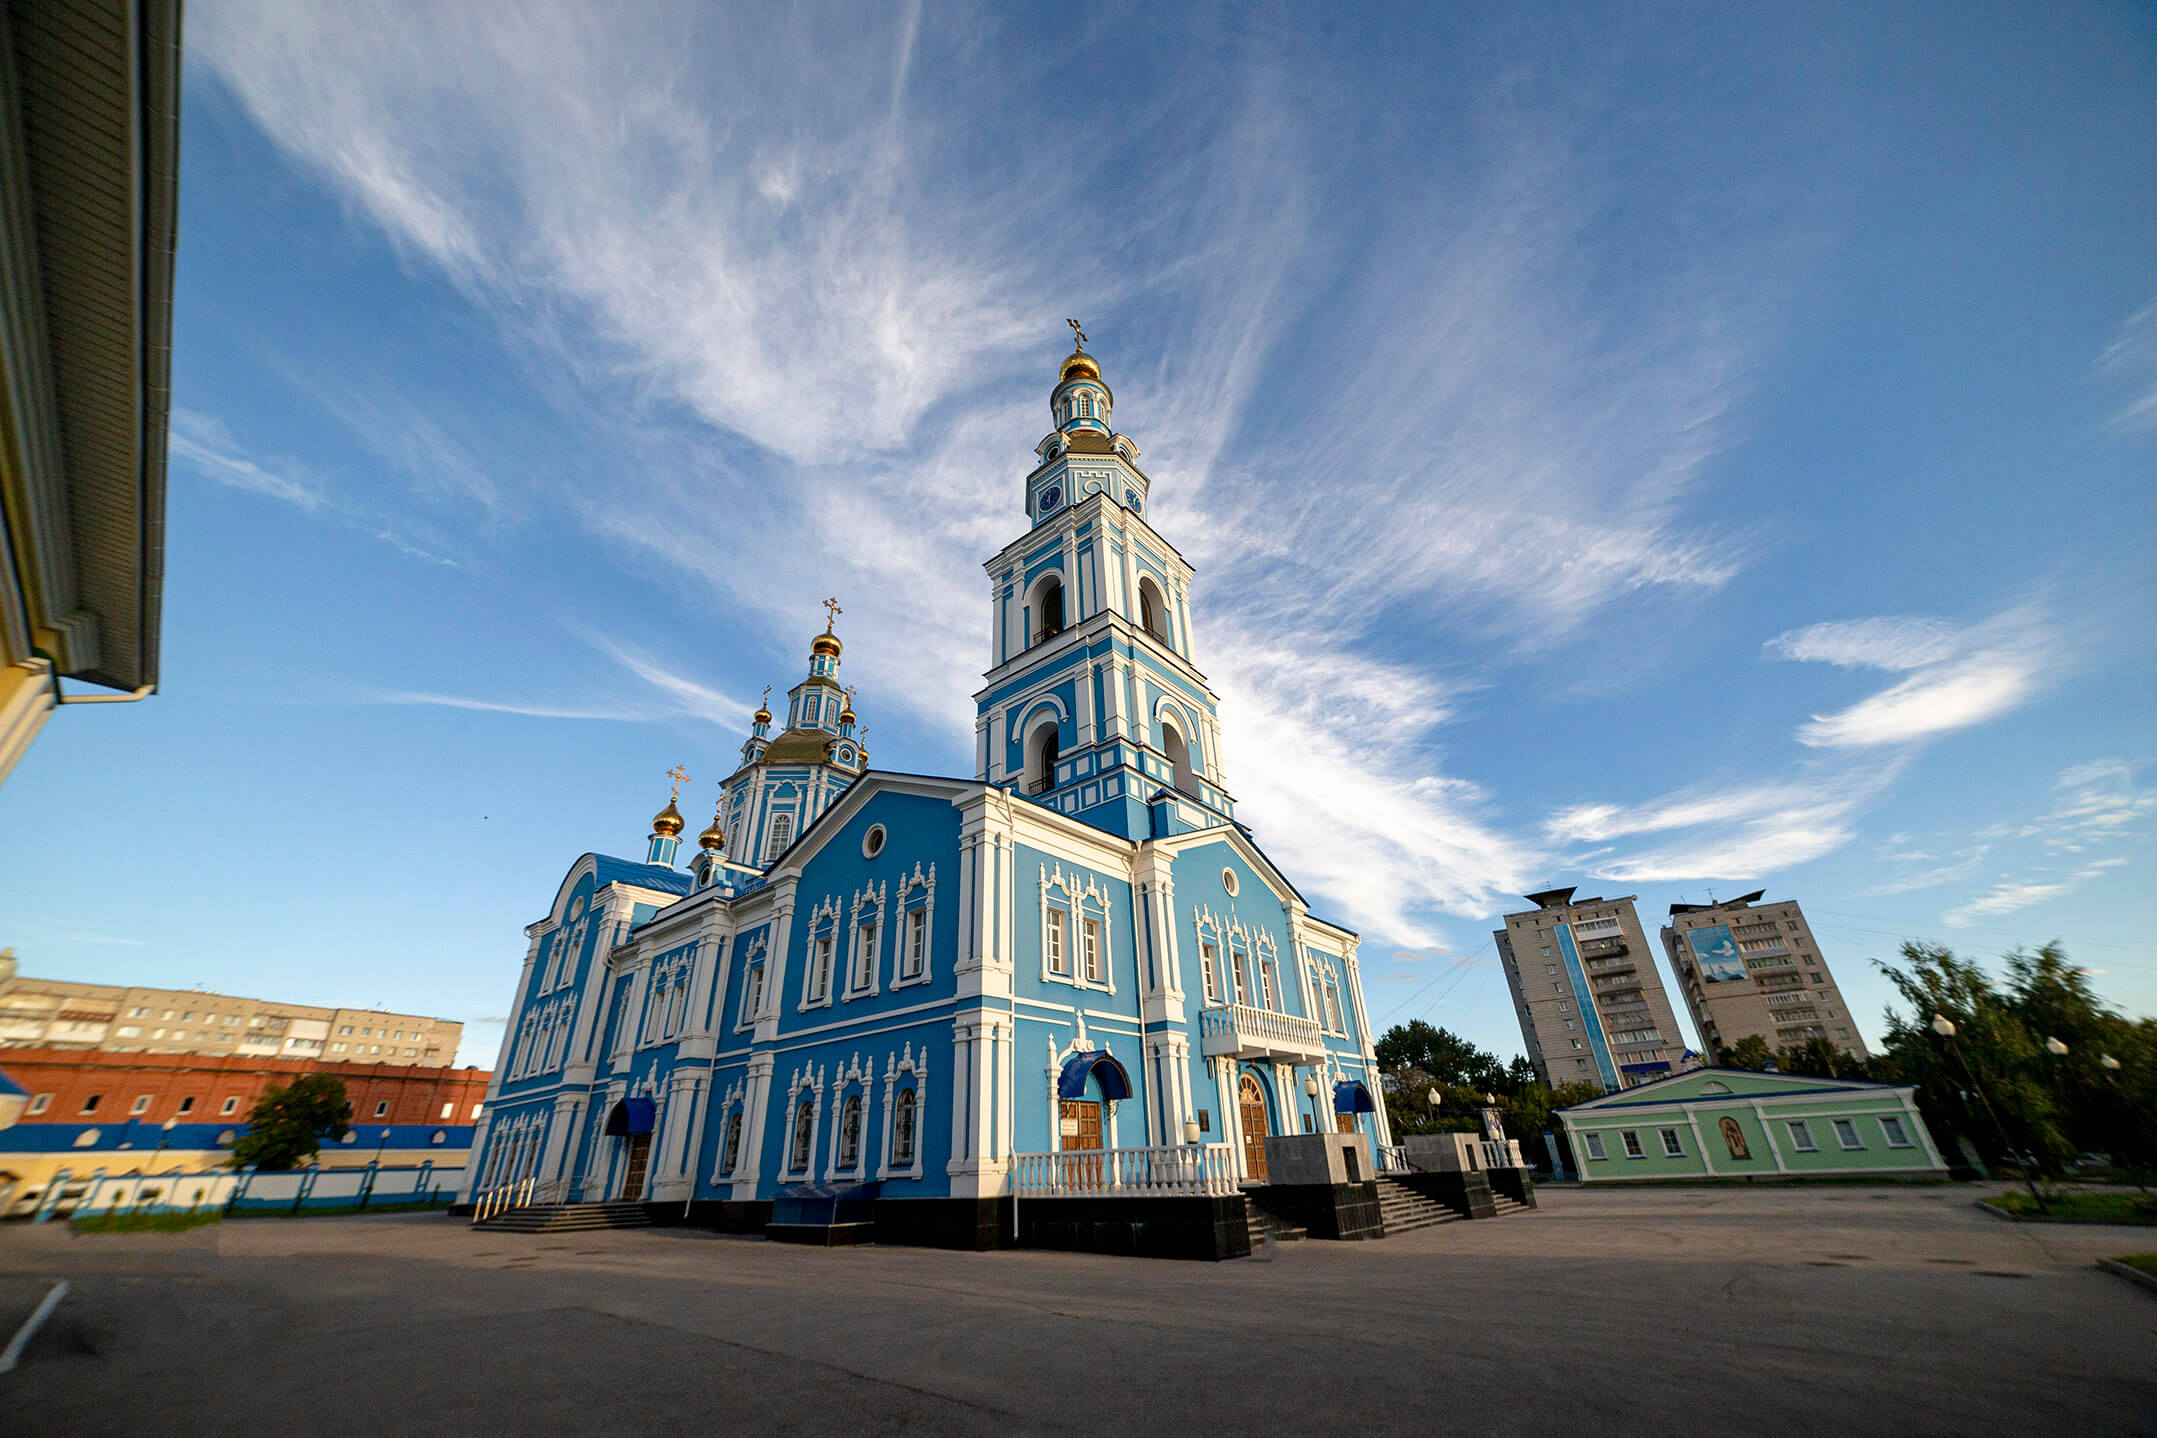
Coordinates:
<point>1080,1122</point>
<point>1251,1105</point>
<point>1347,1122</point>
<point>640,1152</point>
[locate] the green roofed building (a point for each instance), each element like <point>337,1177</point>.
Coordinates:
<point>1733,1123</point>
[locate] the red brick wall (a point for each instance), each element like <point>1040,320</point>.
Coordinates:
<point>414,1095</point>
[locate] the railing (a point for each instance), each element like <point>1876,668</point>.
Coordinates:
<point>1501,1155</point>
<point>1237,1028</point>
<point>1392,1158</point>
<point>1177,1171</point>
<point>522,1194</point>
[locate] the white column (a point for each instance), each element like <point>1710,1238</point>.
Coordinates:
<point>756,1100</point>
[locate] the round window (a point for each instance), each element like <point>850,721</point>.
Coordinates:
<point>872,843</point>
<point>1228,881</point>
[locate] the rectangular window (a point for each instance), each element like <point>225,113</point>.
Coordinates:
<point>1090,950</point>
<point>187,1105</point>
<point>1846,1134</point>
<point>1268,994</point>
<point>381,1108</point>
<point>1236,971</point>
<point>1595,1146</point>
<point>42,1102</point>
<point>1897,1136</point>
<point>1209,971</point>
<point>865,957</point>
<point>89,1105</point>
<point>1333,1008</point>
<point>752,994</point>
<point>1673,1146</point>
<point>449,1109</point>
<point>232,1105</point>
<point>1550,968</point>
<point>1801,1137</point>
<point>1059,961</point>
<point>1632,1144</point>
<point>820,970</point>
<point>917,943</point>
<point>782,834</point>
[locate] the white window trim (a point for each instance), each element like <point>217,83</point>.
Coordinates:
<point>917,1070</point>
<point>753,974</point>
<point>807,1087</point>
<point>852,1080</point>
<point>917,895</point>
<point>1889,1133</point>
<point>869,908</point>
<point>823,927</point>
<point>1801,1139</point>
<point>1854,1142</point>
<point>1593,1142</point>
<point>1085,896</point>
<point>1629,1139</point>
<point>1673,1142</point>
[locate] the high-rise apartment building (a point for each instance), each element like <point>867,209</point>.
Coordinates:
<point>1756,970</point>
<point>1591,1004</point>
<point>54,1013</point>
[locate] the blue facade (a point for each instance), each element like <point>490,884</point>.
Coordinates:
<point>872,978</point>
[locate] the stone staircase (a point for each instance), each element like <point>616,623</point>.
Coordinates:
<point>1405,1210</point>
<point>566,1218</point>
<point>1262,1223</point>
<point>1506,1205</point>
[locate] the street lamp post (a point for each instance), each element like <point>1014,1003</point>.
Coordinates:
<point>1945,1028</point>
<point>1310,1091</point>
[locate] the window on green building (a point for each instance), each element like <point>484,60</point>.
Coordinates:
<point>1673,1146</point>
<point>1801,1137</point>
<point>1846,1134</point>
<point>1632,1144</point>
<point>1897,1136</point>
<point>1595,1147</point>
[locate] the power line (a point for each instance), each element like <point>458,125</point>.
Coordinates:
<point>2023,935</point>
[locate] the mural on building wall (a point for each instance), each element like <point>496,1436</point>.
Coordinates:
<point>1716,951</point>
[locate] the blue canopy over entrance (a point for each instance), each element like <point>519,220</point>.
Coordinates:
<point>1071,1082</point>
<point>1350,1096</point>
<point>631,1115</point>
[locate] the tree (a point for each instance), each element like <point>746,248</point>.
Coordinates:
<point>288,1124</point>
<point>1440,1053</point>
<point>1818,1057</point>
<point>1751,1052</point>
<point>1530,1113</point>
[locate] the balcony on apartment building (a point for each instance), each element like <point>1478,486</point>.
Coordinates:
<point>1245,1031</point>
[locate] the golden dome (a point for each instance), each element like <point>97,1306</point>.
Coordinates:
<point>1077,364</point>
<point>712,840</point>
<point>846,713</point>
<point>667,821</point>
<point>826,643</point>
<point>763,715</point>
<point>798,746</point>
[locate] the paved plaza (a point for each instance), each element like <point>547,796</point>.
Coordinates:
<point>1847,1310</point>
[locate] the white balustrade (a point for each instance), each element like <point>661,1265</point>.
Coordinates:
<point>1392,1158</point>
<point>1170,1171</point>
<point>1242,1028</point>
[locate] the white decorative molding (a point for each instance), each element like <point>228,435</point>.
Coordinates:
<point>1085,896</point>
<point>851,1080</point>
<point>807,1087</point>
<point>917,894</point>
<point>865,979</point>
<point>823,924</point>
<point>916,1070</point>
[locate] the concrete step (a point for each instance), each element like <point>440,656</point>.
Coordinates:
<point>1261,1222</point>
<point>1403,1210</point>
<point>566,1218</point>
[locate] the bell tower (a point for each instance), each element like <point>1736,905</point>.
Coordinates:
<point>1093,703</point>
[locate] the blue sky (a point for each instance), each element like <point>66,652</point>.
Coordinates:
<point>1661,452</point>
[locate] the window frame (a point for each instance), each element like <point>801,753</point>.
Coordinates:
<point>1673,1144</point>
<point>1801,1139</point>
<point>1899,1135</point>
<point>1593,1143</point>
<point>1630,1138</point>
<point>1846,1135</point>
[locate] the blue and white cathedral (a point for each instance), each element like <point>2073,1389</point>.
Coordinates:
<point>906,999</point>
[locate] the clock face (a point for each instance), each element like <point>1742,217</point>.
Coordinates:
<point>1050,498</point>
<point>1132,501</point>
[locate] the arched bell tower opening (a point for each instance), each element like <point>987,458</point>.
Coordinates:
<point>1179,758</point>
<point>1152,609</point>
<point>1047,610</point>
<point>1043,749</point>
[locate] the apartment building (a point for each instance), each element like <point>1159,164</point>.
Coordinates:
<point>54,1013</point>
<point>1752,968</point>
<point>1591,1003</point>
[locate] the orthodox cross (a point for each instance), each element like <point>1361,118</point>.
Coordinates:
<point>849,696</point>
<point>680,776</point>
<point>835,611</point>
<point>1078,335</point>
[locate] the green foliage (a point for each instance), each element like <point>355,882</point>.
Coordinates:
<point>139,1222</point>
<point>1751,1052</point>
<point>2146,1262</point>
<point>1995,1083</point>
<point>1444,1056</point>
<point>1819,1058</point>
<point>2117,1207</point>
<point>288,1124</point>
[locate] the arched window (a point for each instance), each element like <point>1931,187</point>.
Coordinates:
<point>1179,758</point>
<point>1042,751</point>
<point>1048,610</point>
<point>730,1153</point>
<point>850,1132</point>
<point>804,1136</point>
<point>902,1129</point>
<point>1152,610</point>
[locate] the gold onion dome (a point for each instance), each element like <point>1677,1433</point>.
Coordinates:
<point>825,643</point>
<point>667,821</point>
<point>1077,365</point>
<point>712,839</point>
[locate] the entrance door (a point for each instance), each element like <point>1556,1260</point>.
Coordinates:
<point>640,1152</point>
<point>1347,1122</point>
<point>1080,1121</point>
<point>1251,1104</point>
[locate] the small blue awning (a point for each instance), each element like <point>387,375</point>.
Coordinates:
<point>1350,1096</point>
<point>1071,1083</point>
<point>631,1115</point>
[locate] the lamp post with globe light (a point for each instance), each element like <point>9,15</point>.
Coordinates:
<point>1945,1028</point>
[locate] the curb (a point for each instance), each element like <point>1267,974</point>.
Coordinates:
<point>2129,1272</point>
<point>2003,1214</point>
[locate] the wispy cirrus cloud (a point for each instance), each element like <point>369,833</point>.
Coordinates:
<point>678,695</point>
<point>2012,895</point>
<point>1961,676</point>
<point>203,444</point>
<point>2130,362</point>
<point>854,326</point>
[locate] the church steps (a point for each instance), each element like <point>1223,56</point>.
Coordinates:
<point>1404,1210</point>
<point>567,1218</point>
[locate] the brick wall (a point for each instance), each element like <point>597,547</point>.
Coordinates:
<point>119,1081</point>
